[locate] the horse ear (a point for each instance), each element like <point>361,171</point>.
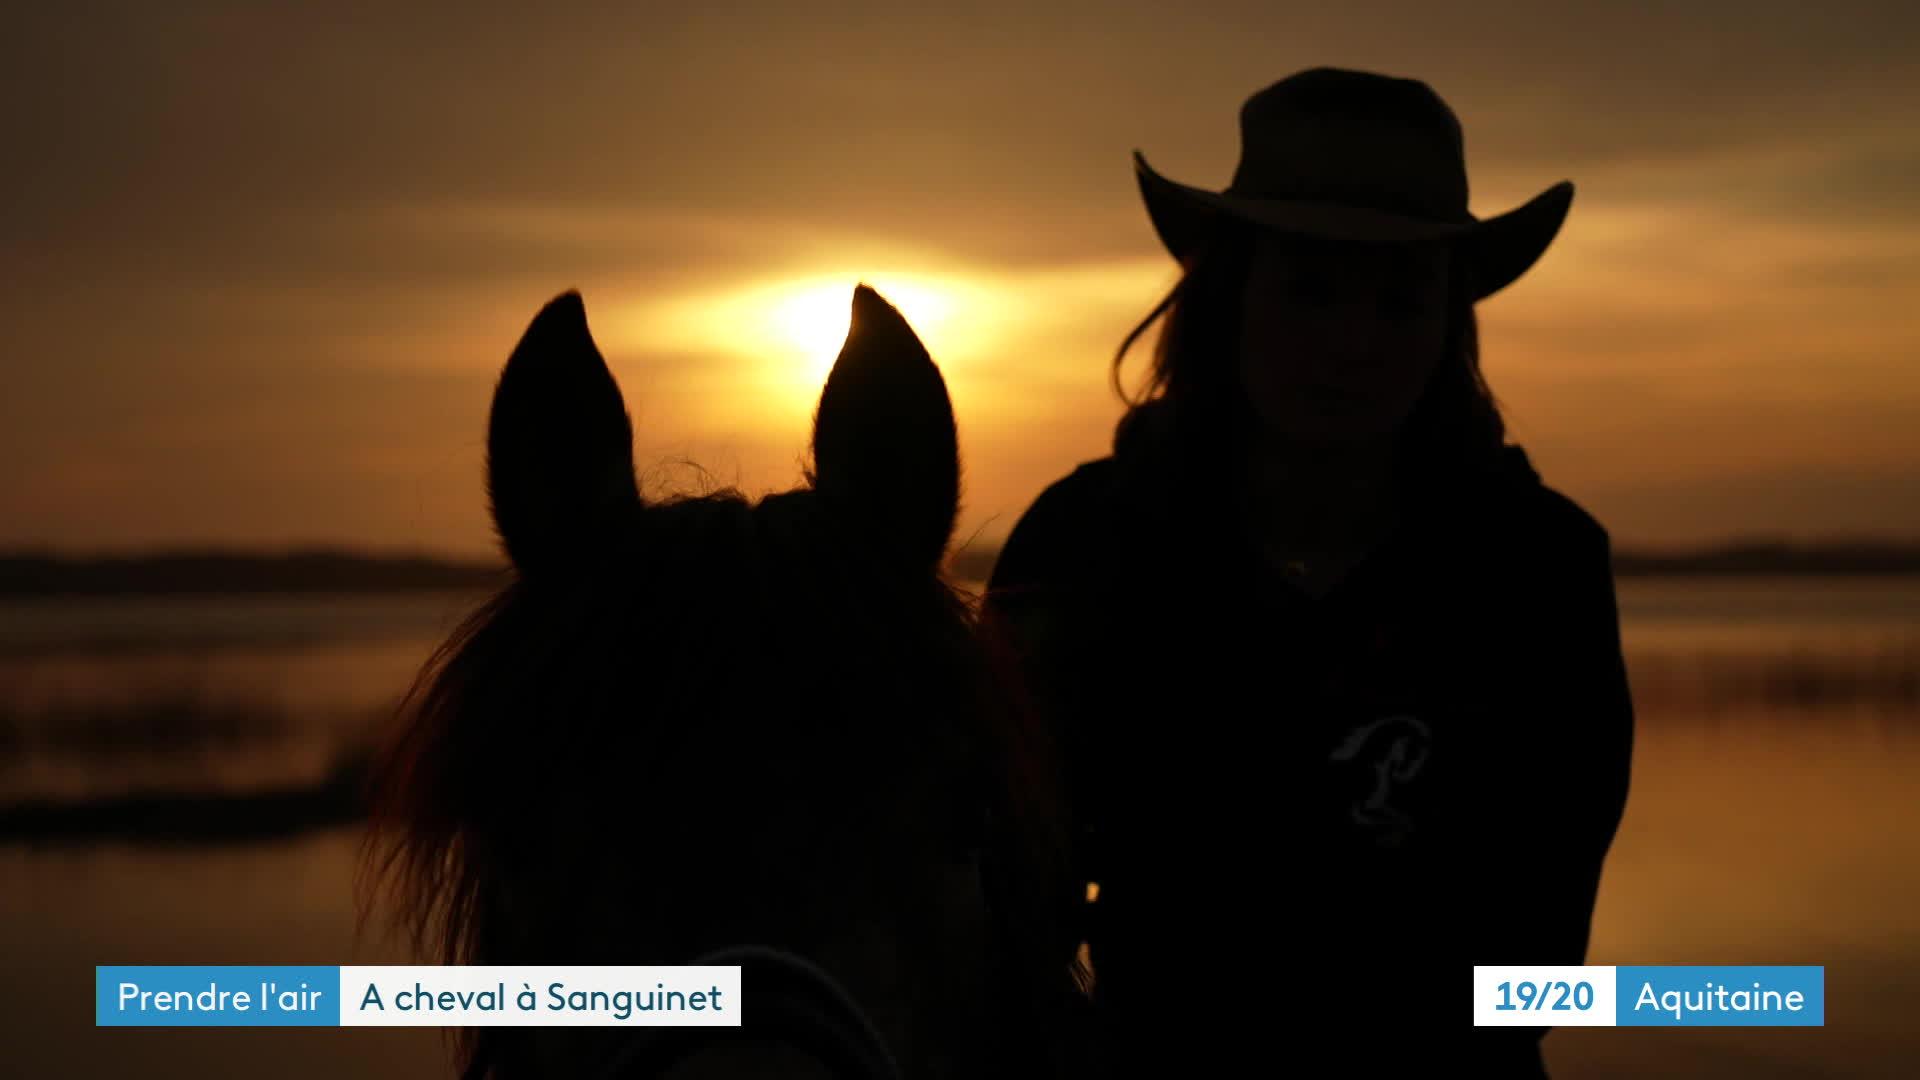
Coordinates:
<point>559,444</point>
<point>885,452</point>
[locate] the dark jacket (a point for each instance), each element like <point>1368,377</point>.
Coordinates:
<point>1305,813</point>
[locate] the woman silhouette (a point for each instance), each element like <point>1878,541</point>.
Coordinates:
<point>1338,678</point>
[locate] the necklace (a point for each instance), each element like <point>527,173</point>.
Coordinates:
<point>1295,568</point>
<point>1315,573</point>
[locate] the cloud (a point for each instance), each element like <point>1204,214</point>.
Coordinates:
<point>258,259</point>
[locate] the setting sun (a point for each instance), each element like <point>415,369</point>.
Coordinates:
<point>792,327</point>
<point>811,318</point>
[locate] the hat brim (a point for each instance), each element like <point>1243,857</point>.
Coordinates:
<point>1500,248</point>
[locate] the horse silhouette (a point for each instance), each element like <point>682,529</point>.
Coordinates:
<point>705,725</point>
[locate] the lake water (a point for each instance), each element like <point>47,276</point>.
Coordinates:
<point>1775,817</point>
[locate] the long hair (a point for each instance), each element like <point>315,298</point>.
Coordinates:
<point>1193,413</point>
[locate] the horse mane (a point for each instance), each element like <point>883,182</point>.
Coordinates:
<point>700,728</point>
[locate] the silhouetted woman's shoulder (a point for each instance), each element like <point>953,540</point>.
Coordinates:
<point>1524,520</point>
<point>1083,520</point>
<point>1069,528</point>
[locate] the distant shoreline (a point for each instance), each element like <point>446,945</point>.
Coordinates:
<point>236,572</point>
<point>40,574</point>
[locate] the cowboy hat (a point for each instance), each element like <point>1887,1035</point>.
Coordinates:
<point>1357,156</point>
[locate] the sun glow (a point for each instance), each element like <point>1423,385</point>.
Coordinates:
<point>809,319</point>
<point>766,344</point>
<point>793,327</point>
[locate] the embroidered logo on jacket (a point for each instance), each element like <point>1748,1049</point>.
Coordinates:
<point>1391,750</point>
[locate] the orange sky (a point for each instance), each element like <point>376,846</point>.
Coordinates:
<point>260,267</point>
